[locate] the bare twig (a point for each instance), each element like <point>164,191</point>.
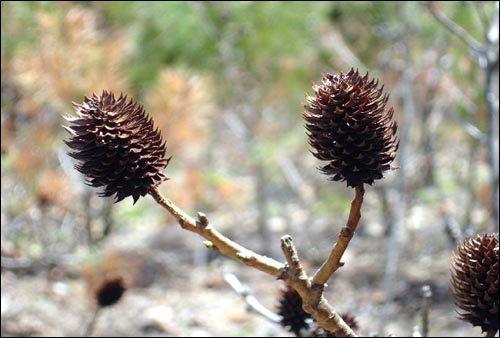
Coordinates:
<point>426,304</point>
<point>219,241</point>
<point>292,259</point>
<point>453,230</point>
<point>346,233</point>
<point>313,301</point>
<point>491,51</point>
<point>336,46</point>
<point>90,327</point>
<point>492,109</point>
<point>252,302</point>
<point>86,197</point>
<point>454,27</point>
<point>400,193</point>
<point>487,58</point>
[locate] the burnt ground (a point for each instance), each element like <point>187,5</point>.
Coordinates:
<point>177,287</point>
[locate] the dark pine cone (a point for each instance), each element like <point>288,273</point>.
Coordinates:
<point>294,318</point>
<point>348,126</point>
<point>299,322</point>
<point>474,281</point>
<point>117,146</point>
<point>110,291</point>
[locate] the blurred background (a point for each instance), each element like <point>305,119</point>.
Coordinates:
<point>226,84</point>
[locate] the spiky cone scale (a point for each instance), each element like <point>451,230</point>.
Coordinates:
<point>293,317</point>
<point>117,146</point>
<point>348,126</point>
<point>299,322</point>
<point>474,281</point>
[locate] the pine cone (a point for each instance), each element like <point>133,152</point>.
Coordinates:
<point>110,291</point>
<point>474,281</point>
<point>294,318</point>
<point>348,126</point>
<point>299,322</point>
<point>117,145</point>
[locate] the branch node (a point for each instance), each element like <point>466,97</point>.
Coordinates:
<point>308,308</point>
<point>292,272</point>
<point>284,274</point>
<point>202,221</point>
<point>246,259</point>
<point>346,232</point>
<point>210,245</point>
<point>319,287</point>
<point>291,255</point>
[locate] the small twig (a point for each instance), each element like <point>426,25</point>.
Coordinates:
<point>453,230</point>
<point>492,111</point>
<point>250,299</point>
<point>90,327</point>
<point>346,233</point>
<point>313,301</point>
<point>106,213</point>
<point>292,259</point>
<point>454,28</point>
<point>86,197</point>
<point>426,304</point>
<point>226,246</point>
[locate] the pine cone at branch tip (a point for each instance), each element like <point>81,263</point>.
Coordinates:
<point>474,281</point>
<point>348,126</point>
<point>117,146</point>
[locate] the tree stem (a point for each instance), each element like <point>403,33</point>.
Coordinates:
<point>333,262</point>
<point>292,273</point>
<point>217,240</point>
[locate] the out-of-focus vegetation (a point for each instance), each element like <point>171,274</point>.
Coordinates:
<point>225,82</point>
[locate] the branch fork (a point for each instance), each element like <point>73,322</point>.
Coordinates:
<point>292,273</point>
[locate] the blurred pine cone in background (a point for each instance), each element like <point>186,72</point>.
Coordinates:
<point>348,126</point>
<point>474,281</point>
<point>110,291</point>
<point>299,322</point>
<point>117,145</point>
<point>293,317</point>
